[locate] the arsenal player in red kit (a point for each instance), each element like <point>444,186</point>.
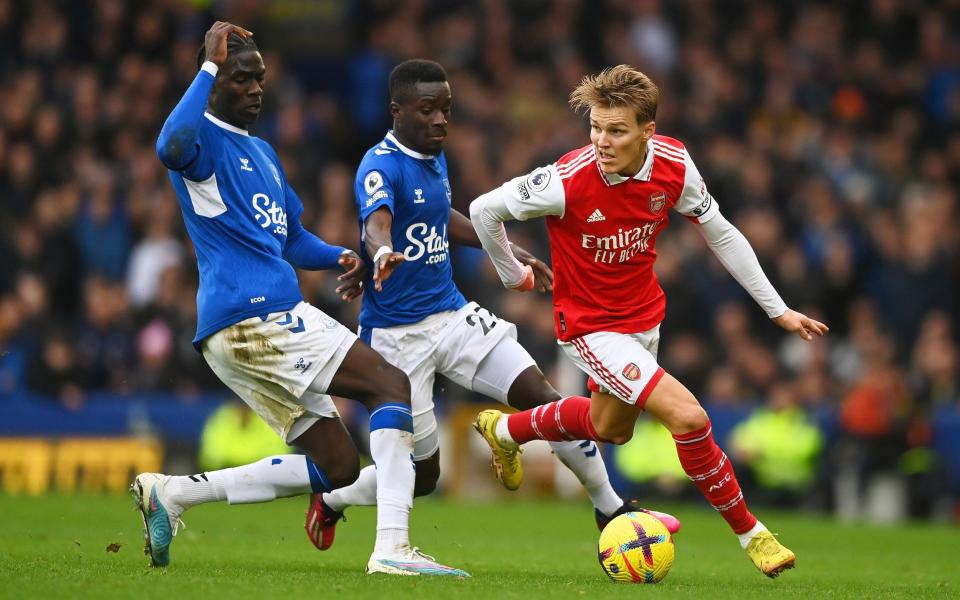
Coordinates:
<point>605,204</point>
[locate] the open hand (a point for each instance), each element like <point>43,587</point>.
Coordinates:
<point>352,279</point>
<point>383,268</point>
<point>801,324</point>
<point>215,42</point>
<point>543,275</point>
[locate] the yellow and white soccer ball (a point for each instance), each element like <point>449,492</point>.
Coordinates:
<point>636,548</point>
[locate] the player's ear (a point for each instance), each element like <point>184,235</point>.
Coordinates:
<point>649,129</point>
<point>394,109</point>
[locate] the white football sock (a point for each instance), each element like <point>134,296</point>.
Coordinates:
<point>267,479</point>
<point>746,537</point>
<point>190,490</point>
<point>587,464</point>
<point>392,452</point>
<point>362,492</point>
<point>503,432</point>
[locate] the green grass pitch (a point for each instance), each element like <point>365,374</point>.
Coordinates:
<point>56,547</point>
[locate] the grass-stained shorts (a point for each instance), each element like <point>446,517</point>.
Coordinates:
<point>281,365</point>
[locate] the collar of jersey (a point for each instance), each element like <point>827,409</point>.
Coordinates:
<point>224,125</point>
<point>406,150</point>
<point>644,174</point>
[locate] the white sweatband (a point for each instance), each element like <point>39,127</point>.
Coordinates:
<point>383,250</point>
<point>210,67</point>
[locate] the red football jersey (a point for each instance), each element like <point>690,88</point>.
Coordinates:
<point>603,231</point>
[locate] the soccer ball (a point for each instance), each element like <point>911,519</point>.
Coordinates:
<point>636,548</point>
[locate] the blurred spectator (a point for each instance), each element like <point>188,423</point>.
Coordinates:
<point>102,229</point>
<point>935,373</point>
<point>233,435</point>
<point>105,346</point>
<point>56,372</point>
<point>779,446</point>
<point>649,460</point>
<point>157,251</point>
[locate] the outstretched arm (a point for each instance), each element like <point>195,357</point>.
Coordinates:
<point>734,252</point>
<point>307,251</point>
<point>178,144</point>
<point>488,213</point>
<point>462,232</point>
<point>378,239</point>
<point>540,193</point>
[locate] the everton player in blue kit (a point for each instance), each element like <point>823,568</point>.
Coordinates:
<point>417,318</point>
<point>281,355</point>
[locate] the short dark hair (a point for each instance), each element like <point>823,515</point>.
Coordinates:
<point>235,45</point>
<point>408,73</point>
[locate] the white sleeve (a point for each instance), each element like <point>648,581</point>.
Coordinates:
<point>736,255</point>
<point>537,194</point>
<point>695,201</point>
<point>487,213</point>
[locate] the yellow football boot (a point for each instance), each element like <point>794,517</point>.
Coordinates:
<point>769,555</point>
<point>505,460</point>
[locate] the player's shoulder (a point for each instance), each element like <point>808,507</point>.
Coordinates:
<point>384,156</point>
<point>576,156</point>
<point>668,148</point>
<point>575,161</point>
<point>264,146</point>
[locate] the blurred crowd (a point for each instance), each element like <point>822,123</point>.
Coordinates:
<point>829,133</point>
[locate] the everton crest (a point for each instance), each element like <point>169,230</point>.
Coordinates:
<point>658,201</point>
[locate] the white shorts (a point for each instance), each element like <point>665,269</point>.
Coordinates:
<point>452,343</point>
<point>621,364</point>
<point>282,364</point>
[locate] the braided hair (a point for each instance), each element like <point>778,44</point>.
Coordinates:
<point>235,45</point>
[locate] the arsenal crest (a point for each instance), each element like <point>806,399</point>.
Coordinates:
<point>658,200</point>
<point>632,371</point>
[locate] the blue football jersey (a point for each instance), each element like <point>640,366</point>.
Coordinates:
<point>236,204</point>
<point>416,190</point>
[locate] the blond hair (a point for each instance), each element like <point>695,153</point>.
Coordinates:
<point>621,85</point>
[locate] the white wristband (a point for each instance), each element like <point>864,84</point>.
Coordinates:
<point>210,67</point>
<point>383,250</point>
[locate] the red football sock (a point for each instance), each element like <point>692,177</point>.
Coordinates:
<point>710,470</point>
<point>566,419</point>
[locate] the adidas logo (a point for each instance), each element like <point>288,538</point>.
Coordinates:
<point>596,216</point>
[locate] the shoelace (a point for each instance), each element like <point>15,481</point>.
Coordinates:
<point>768,545</point>
<point>417,552</point>
<point>178,525</point>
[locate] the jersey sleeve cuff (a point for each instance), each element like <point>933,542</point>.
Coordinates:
<point>210,67</point>
<point>777,311</point>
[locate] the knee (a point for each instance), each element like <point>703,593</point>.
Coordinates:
<point>344,472</point>
<point>545,393</point>
<point>687,417</point>
<point>530,390</point>
<point>614,433</point>
<point>394,385</point>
